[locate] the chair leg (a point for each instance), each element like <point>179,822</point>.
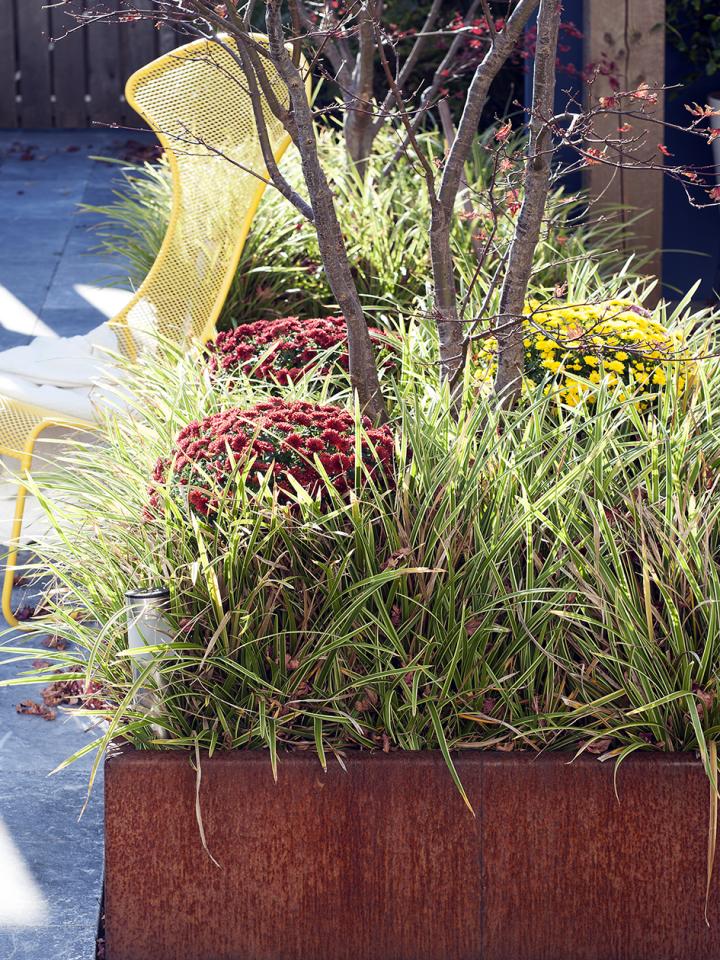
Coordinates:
<point>16,530</point>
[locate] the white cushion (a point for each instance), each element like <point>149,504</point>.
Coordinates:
<point>69,376</point>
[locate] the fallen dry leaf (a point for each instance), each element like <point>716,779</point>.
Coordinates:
<point>55,643</point>
<point>394,559</point>
<point>73,693</point>
<point>33,709</point>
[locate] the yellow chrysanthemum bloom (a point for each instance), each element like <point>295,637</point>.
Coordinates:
<point>615,341</point>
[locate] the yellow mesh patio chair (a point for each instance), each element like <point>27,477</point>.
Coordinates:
<point>196,101</point>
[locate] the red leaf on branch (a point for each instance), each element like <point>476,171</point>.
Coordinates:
<point>593,157</point>
<point>644,92</point>
<point>706,111</point>
<point>504,132</point>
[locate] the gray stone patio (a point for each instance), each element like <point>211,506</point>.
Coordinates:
<point>47,260</point>
<point>50,279</point>
<point>51,874</point>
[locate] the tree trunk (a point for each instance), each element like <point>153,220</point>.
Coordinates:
<point>511,352</point>
<point>358,126</point>
<point>363,368</point>
<point>450,329</point>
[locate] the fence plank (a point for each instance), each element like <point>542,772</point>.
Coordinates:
<point>8,103</point>
<point>54,75</point>
<point>640,60</point>
<point>70,108</point>
<point>34,63</point>
<point>137,47</point>
<point>104,81</point>
<point>167,39</point>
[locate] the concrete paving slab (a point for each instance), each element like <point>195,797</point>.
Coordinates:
<point>100,194</point>
<point>55,865</point>
<point>27,282</point>
<point>24,200</point>
<point>52,862</point>
<point>52,277</point>
<point>72,276</point>
<point>43,167</point>
<point>39,239</point>
<point>9,338</point>
<point>82,240</point>
<point>71,321</point>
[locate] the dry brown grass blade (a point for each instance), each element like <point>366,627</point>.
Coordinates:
<point>712,822</point>
<point>198,811</point>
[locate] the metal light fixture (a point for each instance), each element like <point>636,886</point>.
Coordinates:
<point>148,626</point>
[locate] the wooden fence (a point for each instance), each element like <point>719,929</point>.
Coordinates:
<point>52,75</point>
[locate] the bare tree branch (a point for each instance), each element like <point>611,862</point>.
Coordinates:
<point>411,60</point>
<point>430,93</point>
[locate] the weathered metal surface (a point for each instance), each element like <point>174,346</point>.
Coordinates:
<point>573,872</point>
<point>380,861</point>
<point>384,859</point>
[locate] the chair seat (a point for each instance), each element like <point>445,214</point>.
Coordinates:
<point>70,377</point>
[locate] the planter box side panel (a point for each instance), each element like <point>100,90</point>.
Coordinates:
<point>572,871</point>
<point>379,861</point>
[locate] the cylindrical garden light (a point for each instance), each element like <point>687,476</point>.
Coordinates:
<point>148,626</point>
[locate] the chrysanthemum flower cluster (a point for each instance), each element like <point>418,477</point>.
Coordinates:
<point>285,349</point>
<point>293,441</point>
<point>582,344</point>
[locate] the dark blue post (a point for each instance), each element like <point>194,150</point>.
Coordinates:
<point>691,237</point>
<point>571,59</point>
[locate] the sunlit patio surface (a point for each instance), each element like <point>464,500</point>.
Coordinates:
<point>51,285</point>
<point>51,873</point>
<point>52,282</point>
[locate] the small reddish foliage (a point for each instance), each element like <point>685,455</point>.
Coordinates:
<point>73,693</point>
<point>55,643</point>
<point>33,709</point>
<point>504,132</point>
<point>283,350</point>
<point>279,436</point>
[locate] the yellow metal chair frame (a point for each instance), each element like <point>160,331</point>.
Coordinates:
<point>195,101</point>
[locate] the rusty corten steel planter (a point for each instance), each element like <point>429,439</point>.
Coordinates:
<point>385,861</point>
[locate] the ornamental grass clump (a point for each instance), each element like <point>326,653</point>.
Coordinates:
<point>579,345</point>
<point>284,350</point>
<point>529,579</point>
<point>385,225</point>
<point>282,445</point>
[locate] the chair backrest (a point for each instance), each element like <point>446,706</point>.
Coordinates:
<point>196,101</point>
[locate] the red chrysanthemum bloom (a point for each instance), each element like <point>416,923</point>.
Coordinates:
<point>283,350</point>
<point>278,436</point>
